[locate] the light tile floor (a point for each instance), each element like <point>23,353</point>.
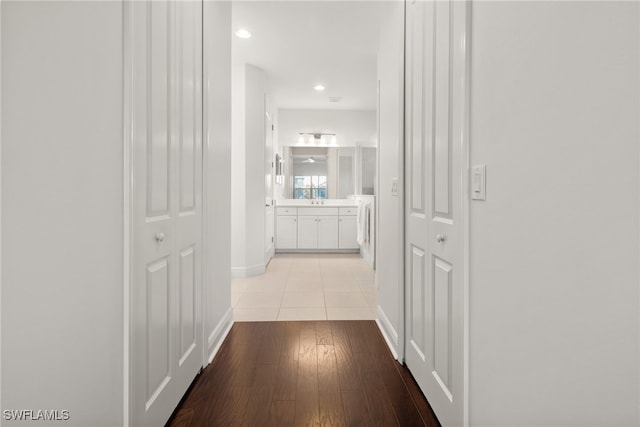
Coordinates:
<point>307,287</point>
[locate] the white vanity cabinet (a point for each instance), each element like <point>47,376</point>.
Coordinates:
<point>328,232</point>
<point>286,231</point>
<point>348,229</point>
<point>322,228</point>
<point>318,228</point>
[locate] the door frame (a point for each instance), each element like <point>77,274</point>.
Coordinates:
<point>127,206</point>
<point>127,211</point>
<point>1,405</point>
<point>465,200</point>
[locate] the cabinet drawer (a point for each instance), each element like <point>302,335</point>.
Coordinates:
<point>349,211</point>
<point>286,211</point>
<point>318,211</point>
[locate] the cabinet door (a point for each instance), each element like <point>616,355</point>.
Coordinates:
<point>348,233</point>
<point>286,232</point>
<point>328,232</point>
<point>307,232</point>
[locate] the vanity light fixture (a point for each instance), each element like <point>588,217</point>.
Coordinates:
<point>243,33</point>
<point>317,138</point>
<point>319,88</point>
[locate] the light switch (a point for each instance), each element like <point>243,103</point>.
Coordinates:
<point>478,182</point>
<point>394,186</point>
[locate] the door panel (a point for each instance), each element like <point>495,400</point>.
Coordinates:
<point>158,323</point>
<point>442,322</point>
<point>307,232</point>
<point>165,40</point>
<point>348,233</point>
<point>328,232</point>
<point>287,231</point>
<point>442,129</point>
<point>188,109</point>
<point>188,319</point>
<point>157,76</point>
<point>435,107</point>
<point>418,325</point>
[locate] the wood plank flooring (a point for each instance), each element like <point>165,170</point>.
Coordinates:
<point>320,373</point>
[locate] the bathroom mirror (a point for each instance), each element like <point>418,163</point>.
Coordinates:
<point>321,172</point>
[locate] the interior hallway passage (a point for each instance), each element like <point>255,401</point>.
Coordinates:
<point>307,287</point>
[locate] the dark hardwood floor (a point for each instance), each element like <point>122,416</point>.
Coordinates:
<point>325,373</point>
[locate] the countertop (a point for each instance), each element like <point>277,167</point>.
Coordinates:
<point>329,203</point>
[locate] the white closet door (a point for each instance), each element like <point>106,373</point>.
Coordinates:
<point>434,171</point>
<point>166,103</point>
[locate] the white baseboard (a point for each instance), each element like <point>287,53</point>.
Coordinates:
<point>388,332</point>
<point>252,270</point>
<point>219,333</point>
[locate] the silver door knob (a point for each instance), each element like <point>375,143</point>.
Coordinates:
<point>159,237</point>
<point>441,238</point>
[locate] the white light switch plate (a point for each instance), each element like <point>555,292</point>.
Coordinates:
<point>479,182</point>
<point>394,186</point>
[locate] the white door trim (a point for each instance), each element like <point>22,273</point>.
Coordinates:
<point>401,197</point>
<point>1,406</point>
<point>466,198</point>
<point>204,266</point>
<point>127,191</point>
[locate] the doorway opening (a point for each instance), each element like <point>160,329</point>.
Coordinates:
<point>305,158</point>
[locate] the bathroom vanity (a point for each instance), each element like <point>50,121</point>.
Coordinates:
<point>329,227</point>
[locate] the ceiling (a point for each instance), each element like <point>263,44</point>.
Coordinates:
<point>302,43</point>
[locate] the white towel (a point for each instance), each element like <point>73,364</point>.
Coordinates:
<point>361,223</point>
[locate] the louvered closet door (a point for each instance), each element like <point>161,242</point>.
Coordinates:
<point>434,190</point>
<point>166,102</point>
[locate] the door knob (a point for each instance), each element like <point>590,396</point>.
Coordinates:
<point>159,237</point>
<point>441,238</point>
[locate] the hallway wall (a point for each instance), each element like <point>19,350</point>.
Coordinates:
<point>554,324</point>
<point>390,124</point>
<point>249,89</point>
<point>217,113</point>
<point>62,221</point>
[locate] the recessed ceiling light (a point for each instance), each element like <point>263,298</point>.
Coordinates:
<point>243,33</point>
<point>319,88</point>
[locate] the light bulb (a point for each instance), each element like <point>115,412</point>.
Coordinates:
<point>243,33</point>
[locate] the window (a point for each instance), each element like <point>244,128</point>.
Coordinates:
<point>310,187</point>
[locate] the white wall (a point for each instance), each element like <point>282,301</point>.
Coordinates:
<point>317,168</point>
<point>249,89</point>
<point>352,127</point>
<point>554,249</point>
<point>217,113</point>
<point>389,244</point>
<point>238,166</point>
<point>256,90</point>
<point>62,221</point>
